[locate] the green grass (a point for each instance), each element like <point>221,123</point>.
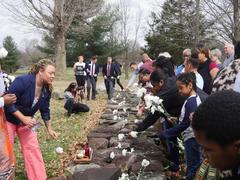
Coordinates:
<point>72,131</point>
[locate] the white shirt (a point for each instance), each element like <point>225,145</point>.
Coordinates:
<point>81,70</point>
<point>1,102</point>
<point>199,81</point>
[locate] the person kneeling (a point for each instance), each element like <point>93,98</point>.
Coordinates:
<point>71,103</point>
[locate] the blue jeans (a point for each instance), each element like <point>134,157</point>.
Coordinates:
<point>193,157</point>
<point>173,151</point>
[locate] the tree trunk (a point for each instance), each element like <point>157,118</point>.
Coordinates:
<point>236,16</point>
<point>126,65</point>
<point>60,56</point>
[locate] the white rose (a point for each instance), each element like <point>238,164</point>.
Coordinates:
<point>145,163</point>
<point>124,152</point>
<point>153,109</point>
<point>112,155</point>
<point>115,111</point>
<point>134,134</point>
<point>121,137</point>
<point>115,117</point>
<point>119,146</point>
<point>59,150</point>
<point>124,176</point>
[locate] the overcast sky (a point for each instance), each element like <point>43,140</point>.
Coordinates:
<point>21,33</point>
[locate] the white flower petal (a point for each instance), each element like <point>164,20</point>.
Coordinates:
<point>112,155</point>
<point>124,152</point>
<point>145,163</point>
<point>59,150</point>
<point>134,134</point>
<point>121,137</point>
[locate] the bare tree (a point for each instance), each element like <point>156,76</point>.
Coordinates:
<point>197,22</point>
<point>55,17</point>
<point>129,26</point>
<point>222,13</point>
<point>236,7</point>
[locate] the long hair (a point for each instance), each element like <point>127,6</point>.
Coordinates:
<point>71,86</point>
<point>41,65</point>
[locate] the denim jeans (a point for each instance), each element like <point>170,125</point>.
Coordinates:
<point>193,157</point>
<point>173,151</point>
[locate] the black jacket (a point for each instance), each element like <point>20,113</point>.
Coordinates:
<point>172,102</point>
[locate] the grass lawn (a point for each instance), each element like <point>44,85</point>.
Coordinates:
<point>72,131</point>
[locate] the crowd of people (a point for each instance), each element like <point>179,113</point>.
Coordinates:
<point>207,120</point>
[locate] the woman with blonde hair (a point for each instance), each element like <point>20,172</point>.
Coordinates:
<point>215,56</point>
<point>33,92</point>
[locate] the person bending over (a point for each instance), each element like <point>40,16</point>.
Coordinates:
<point>71,98</point>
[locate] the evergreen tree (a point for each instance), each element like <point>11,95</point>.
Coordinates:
<point>173,30</point>
<point>10,63</point>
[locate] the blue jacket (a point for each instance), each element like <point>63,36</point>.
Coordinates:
<point>88,68</point>
<point>24,88</point>
<point>113,70</point>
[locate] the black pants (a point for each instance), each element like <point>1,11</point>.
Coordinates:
<point>119,83</point>
<point>91,83</point>
<point>73,107</point>
<point>109,83</point>
<point>80,80</point>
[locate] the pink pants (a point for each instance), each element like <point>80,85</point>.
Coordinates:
<point>31,151</point>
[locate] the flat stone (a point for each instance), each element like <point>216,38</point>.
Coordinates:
<point>113,142</point>
<point>154,166</point>
<point>98,174</point>
<point>105,153</point>
<point>107,116</point>
<point>108,121</point>
<point>112,106</point>
<point>125,161</point>
<point>108,111</point>
<point>81,167</point>
<point>125,131</point>
<point>118,126</point>
<point>100,135</point>
<point>98,143</point>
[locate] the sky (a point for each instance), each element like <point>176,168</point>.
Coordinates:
<point>22,33</point>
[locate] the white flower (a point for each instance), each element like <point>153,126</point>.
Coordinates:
<point>121,137</point>
<point>160,109</point>
<point>112,155</point>
<point>119,146</point>
<point>59,150</point>
<point>132,150</point>
<point>124,176</point>
<point>124,152</point>
<point>115,117</point>
<point>153,109</point>
<point>165,54</point>
<point>124,109</point>
<point>121,103</point>
<point>133,134</point>
<point>115,111</point>
<point>145,163</point>
<point>141,92</point>
<point>126,120</point>
<point>114,101</point>
<point>124,98</point>
<point>136,121</point>
<point>3,53</point>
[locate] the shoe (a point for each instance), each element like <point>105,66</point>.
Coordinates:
<point>172,174</point>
